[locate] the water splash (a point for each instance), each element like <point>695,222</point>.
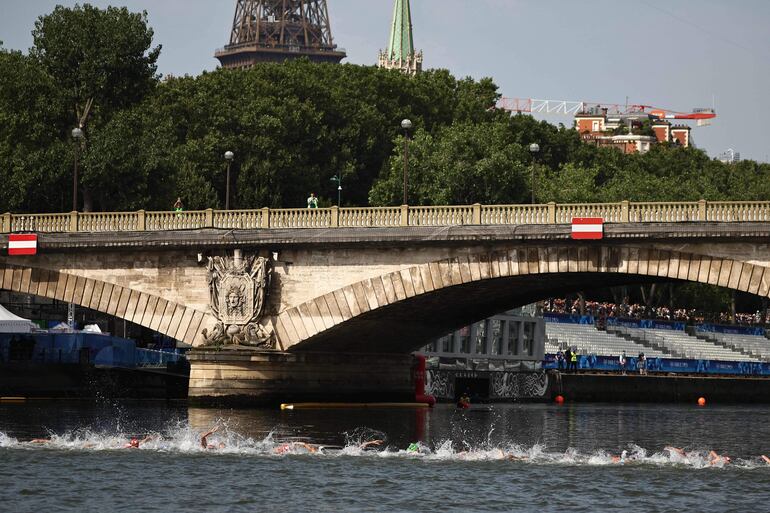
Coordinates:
<point>182,438</point>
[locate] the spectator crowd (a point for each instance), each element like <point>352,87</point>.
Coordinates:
<point>601,309</point>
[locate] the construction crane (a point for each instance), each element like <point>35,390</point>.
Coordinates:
<point>703,117</point>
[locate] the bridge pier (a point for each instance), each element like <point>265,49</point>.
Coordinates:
<point>268,377</point>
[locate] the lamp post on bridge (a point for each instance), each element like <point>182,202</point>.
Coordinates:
<point>338,180</point>
<point>77,135</point>
<point>229,156</point>
<point>406,125</point>
<point>534,148</point>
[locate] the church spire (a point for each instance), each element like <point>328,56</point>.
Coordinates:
<point>400,53</point>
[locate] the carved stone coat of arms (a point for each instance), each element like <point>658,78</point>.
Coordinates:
<point>238,290</point>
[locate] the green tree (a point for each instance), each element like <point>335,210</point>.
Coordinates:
<point>462,164</point>
<point>33,158</point>
<point>101,61</point>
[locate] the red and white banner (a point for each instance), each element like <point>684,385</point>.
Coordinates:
<point>22,244</point>
<point>587,228</point>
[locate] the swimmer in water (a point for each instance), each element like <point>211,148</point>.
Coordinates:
<point>134,443</point>
<point>510,456</point>
<point>205,443</point>
<point>675,450</point>
<point>716,459</point>
<point>765,459</point>
<point>413,447</point>
<point>290,446</point>
<point>620,459</point>
<point>313,448</point>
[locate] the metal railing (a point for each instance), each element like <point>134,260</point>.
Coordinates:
<point>383,217</point>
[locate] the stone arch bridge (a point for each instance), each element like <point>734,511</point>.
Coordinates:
<point>342,282</point>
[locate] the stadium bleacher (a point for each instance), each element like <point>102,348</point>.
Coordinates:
<point>655,343</point>
<point>756,346</point>
<point>588,340</point>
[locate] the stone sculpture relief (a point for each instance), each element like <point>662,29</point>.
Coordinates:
<point>238,289</point>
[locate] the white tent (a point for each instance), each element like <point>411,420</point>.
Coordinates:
<point>11,323</point>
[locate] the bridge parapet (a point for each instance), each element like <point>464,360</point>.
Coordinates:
<point>385,217</point>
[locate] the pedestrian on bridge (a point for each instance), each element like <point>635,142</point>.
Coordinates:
<point>312,201</point>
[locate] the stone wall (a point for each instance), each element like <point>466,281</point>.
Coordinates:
<point>379,290</point>
<point>268,378</point>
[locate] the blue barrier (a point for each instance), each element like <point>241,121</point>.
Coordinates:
<point>79,347</point>
<point>731,330</point>
<point>568,319</point>
<point>151,357</point>
<point>668,365</point>
<point>658,324</point>
<point>672,365</point>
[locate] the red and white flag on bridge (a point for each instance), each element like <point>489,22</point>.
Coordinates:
<point>22,244</point>
<point>587,227</point>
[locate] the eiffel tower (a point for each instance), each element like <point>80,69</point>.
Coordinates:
<point>279,30</point>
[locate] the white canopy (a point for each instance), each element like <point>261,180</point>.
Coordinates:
<point>12,323</point>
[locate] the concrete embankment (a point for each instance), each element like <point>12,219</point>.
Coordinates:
<point>595,387</point>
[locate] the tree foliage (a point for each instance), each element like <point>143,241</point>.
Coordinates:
<point>103,54</point>
<point>293,127</point>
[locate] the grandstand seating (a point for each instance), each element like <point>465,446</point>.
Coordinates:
<point>589,340</point>
<point>655,343</point>
<point>693,347</point>
<point>756,346</point>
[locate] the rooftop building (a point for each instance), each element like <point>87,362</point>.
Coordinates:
<point>634,132</point>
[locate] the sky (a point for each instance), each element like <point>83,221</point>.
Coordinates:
<point>673,54</point>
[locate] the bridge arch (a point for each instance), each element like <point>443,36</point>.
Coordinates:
<point>393,312</point>
<point>151,311</point>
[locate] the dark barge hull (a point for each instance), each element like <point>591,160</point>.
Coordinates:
<point>49,380</point>
<point>660,388</point>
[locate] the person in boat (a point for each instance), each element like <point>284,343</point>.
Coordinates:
<point>205,443</point>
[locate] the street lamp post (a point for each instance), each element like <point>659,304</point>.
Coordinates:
<point>338,180</point>
<point>229,156</point>
<point>77,135</point>
<point>534,148</point>
<point>406,125</point>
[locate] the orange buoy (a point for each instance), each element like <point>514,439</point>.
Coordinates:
<point>559,399</point>
<point>701,401</point>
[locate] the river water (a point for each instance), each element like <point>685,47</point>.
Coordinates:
<point>519,457</point>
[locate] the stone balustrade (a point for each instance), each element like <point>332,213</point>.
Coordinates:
<point>334,217</point>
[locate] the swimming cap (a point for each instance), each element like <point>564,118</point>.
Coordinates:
<point>413,447</point>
